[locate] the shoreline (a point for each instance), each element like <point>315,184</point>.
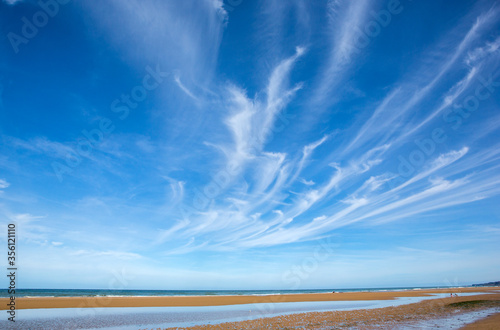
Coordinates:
<point>466,312</point>
<point>212,300</point>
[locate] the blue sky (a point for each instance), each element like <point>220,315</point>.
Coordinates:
<point>251,144</point>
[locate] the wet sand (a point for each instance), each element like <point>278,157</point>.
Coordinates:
<point>186,301</point>
<point>404,316</point>
<point>492,322</point>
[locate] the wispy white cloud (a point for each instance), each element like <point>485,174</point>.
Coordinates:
<point>274,197</point>
<point>223,157</point>
<point>34,229</point>
<point>252,120</point>
<point>106,254</point>
<point>396,108</point>
<point>480,53</point>
<point>184,88</point>
<point>345,39</point>
<point>346,19</point>
<point>307,182</point>
<point>4,184</point>
<point>42,145</point>
<point>306,153</point>
<point>12,2</point>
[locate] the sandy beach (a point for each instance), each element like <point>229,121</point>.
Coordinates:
<point>452,312</point>
<point>241,164</point>
<point>314,311</point>
<point>186,301</point>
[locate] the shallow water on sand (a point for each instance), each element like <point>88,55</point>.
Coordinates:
<point>452,322</point>
<point>154,317</point>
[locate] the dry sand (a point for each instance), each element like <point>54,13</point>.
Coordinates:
<point>181,301</point>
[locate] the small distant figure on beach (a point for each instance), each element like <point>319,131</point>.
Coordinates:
<point>333,291</point>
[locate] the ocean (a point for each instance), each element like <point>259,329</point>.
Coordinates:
<point>138,293</point>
